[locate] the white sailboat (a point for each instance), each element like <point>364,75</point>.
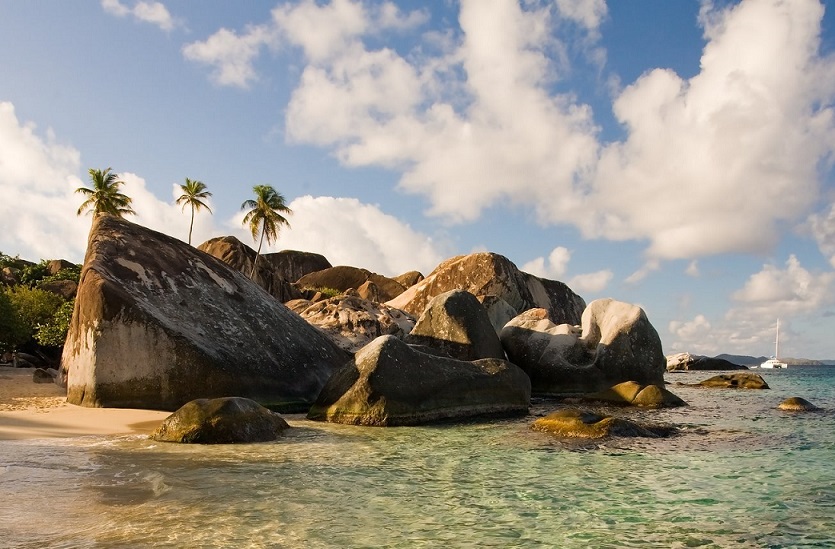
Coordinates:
<point>775,362</point>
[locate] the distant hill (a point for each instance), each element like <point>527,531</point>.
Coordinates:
<point>756,361</point>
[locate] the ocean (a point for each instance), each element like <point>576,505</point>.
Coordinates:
<point>740,474</point>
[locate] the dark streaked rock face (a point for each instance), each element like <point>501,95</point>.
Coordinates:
<point>241,257</point>
<point>158,323</point>
<point>390,383</point>
<point>572,423</point>
<point>484,274</point>
<point>292,265</point>
<point>226,420</point>
<point>456,324</point>
<point>344,278</point>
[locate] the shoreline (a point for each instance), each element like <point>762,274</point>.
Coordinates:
<point>30,410</point>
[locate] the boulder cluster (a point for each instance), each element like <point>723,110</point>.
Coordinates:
<point>158,324</point>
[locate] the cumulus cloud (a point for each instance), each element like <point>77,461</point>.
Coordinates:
<point>745,134</point>
<point>555,267</point>
<point>822,227</point>
<point>480,119</point>
<point>790,292</point>
<point>148,12</point>
<point>349,232</point>
<point>38,177</point>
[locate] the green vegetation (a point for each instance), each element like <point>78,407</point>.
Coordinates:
<point>54,332</point>
<point>265,216</point>
<point>194,193</point>
<point>104,197</point>
<point>327,292</point>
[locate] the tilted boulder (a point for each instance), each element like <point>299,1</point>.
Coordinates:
<point>158,323</point>
<point>484,274</point>
<point>685,362</point>
<point>344,278</point>
<point>615,343</point>
<point>241,257</point>
<point>292,265</point>
<point>498,310</point>
<point>352,322</point>
<point>64,288</point>
<point>390,383</point>
<point>409,279</point>
<point>227,420</point>
<point>456,325</point>
<point>572,423</point>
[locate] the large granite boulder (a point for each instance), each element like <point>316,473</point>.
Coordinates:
<point>344,278</point>
<point>158,323</point>
<point>240,257</point>
<point>682,362</point>
<point>615,343</point>
<point>292,265</point>
<point>498,310</point>
<point>55,266</point>
<point>352,322</point>
<point>409,279</point>
<point>484,274</point>
<point>226,420</point>
<point>735,381</point>
<point>573,423</point>
<point>456,325</point>
<point>64,288</point>
<point>390,383</point>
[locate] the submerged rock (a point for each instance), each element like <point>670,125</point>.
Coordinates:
<point>630,393</point>
<point>158,323</point>
<point>390,383</point>
<point>616,343</point>
<point>797,404</point>
<point>226,420</point>
<point>573,423</point>
<point>484,274</point>
<point>735,381</point>
<point>456,325</point>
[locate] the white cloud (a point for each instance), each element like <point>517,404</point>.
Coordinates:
<point>691,331</point>
<point>822,228</point>
<point>745,134</point>
<point>37,182</point>
<point>149,12</point>
<point>231,55</point>
<point>348,232</point>
<point>693,269</point>
<point>588,13</point>
<point>646,269</point>
<point>556,267</point>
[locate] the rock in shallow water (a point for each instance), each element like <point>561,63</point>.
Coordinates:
<point>797,404</point>
<point>573,423</point>
<point>634,394</point>
<point>226,420</point>
<point>735,381</point>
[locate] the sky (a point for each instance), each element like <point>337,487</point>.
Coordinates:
<point>675,155</point>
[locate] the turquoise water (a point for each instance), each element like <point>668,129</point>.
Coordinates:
<point>741,474</point>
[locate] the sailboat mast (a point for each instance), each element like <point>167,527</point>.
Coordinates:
<point>777,341</point>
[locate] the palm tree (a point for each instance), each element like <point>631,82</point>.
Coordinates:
<point>264,216</point>
<point>194,193</point>
<point>105,197</point>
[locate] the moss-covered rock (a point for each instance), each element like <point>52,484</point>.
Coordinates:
<point>631,393</point>
<point>574,423</point>
<point>225,420</point>
<point>797,404</point>
<point>735,381</point>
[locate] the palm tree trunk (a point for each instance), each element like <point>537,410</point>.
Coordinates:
<point>191,225</point>
<point>257,255</point>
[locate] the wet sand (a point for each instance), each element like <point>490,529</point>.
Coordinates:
<point>30,410</point>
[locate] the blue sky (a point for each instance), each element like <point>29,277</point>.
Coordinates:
<point>677,155</point>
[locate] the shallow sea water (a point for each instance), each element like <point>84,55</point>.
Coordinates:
<point>741,474</point>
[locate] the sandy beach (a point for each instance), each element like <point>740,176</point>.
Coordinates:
<point>30,410</point>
